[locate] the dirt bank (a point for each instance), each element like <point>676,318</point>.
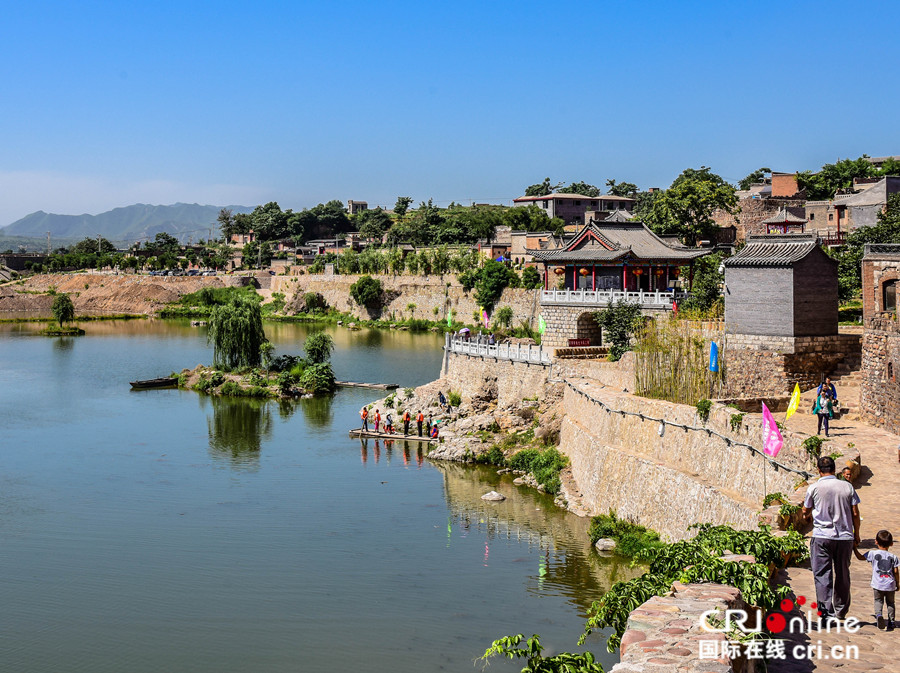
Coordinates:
<point>106,293</point>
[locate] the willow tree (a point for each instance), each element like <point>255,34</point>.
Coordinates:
<point>236,332</point>
<point>63,309</point>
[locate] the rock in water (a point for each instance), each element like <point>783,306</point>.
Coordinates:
<point>493,496</point>
<point>605,544</point>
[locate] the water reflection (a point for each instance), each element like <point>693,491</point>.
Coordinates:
<point>567,565</point>
<point>318,410</point>
<point>237,429</point>
<point>409,451</point>
<point>63,344</point>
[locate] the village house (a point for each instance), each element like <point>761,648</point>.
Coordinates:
<point>573,208</point>
<point>354,207</point>
<point>880,388</point>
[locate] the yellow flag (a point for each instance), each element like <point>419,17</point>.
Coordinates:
<point>795,402</point>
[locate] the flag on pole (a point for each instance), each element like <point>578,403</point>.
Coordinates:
<point>713,357</point>
<point>484,316</point>
<point>772,439</point>
<point>795,402</point>
<point>449,320</point>
<point>674,307</point>
<point>541,324</point>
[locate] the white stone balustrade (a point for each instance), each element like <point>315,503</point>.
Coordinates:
<point>602,298</point>
<point>515,352</point>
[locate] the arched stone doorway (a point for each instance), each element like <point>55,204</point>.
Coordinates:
<point>586,327</point>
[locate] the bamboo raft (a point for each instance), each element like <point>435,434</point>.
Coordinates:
<point>371,434</point>
<point>378,386</point>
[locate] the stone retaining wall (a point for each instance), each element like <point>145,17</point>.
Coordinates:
<point>664,633</point>
<point>668,482</point>
<point>471,376</point>
<point>428,293</point>
<point>880,387</point>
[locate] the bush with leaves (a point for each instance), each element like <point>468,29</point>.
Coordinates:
<point>493,278</point>
<point>503,317</point>
<point>511,647</point>
<point>619,322</point>
<point>63,309</point>
<point>531,278</point>
<point>318,347</point>
<point>544,465</point>
<point>317,378</point>
<point>367,291</point>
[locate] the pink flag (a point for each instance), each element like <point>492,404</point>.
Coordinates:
<point>484,316</point>
<point>772,439</point>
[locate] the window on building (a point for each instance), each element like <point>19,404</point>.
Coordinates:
<point>578,203</point>
<point>890,371</point>
<point>812,216</point>
<point>830,216</point>
<point>544,204</point>
<point>889,296</point>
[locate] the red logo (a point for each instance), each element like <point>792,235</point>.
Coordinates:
<point>776,622</point>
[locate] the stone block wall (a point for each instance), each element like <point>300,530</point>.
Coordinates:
<point>664,633</point>
<point>514,381</point>
<point>443,293</point>
<point>880,387</point>
<point>668,482</point>
<point>762,366</point>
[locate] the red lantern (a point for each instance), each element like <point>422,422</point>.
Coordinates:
<point>583,271</point>
<point>674,272</point>
<point>559,271</point>
<point>638,271</point>
<point>660,272</point>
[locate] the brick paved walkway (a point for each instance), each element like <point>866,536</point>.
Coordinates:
<point>880,508</point>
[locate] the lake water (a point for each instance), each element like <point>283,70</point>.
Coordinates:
<point>169,531</point>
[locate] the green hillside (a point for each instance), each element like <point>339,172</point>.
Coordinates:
<point>128,224</point>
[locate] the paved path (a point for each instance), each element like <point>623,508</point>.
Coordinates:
<point>880,508</point>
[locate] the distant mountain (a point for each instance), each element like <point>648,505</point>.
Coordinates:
<point>128,224</point>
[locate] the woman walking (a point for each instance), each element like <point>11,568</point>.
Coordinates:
<point>824,410</point>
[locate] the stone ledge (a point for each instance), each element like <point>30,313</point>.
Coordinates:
<point>664,633</point>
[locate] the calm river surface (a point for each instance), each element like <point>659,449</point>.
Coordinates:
<point>169,531</point>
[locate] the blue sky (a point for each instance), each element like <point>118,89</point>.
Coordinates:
<point>104,104</point>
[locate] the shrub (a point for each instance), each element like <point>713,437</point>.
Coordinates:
<point>367,292</point>
<point>531,278</point>
<point>504,316</point>
<point>317,378</point>
<point>318,347</point>
<point>703,408</point>
<point>813,446</point>
<point>544,465</point>
<point>493,456</point>
<point>313,301</point>
<point>454,398</point>
<point>619,322</point>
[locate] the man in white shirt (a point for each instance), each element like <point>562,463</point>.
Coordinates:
<point>833,507</point>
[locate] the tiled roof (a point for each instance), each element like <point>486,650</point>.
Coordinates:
<point>784,216</point>
<point>573,196</point>
<point>629,238</point>
<point>773,250</point>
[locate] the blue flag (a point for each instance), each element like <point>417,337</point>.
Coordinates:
<point>713,357</point>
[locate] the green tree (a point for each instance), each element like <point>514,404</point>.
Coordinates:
<point>89,246</point>
<point>367,292</point>
<point>627,189</point>
<point>504,316</point>
<point>619,322</point>
<point>686,208</point>
<point>318,347</point>
<point>63,309</point>
<point>270,223</point>
<point>531,278</point>
<point>541,189</point>
<point>164,243</point>
<point>754,177</point>
<point>374,223</point>
<point>236,333</point>
<point>402,205</point>
<point>226,223</point>
<point>832,177</point>
<point>580,187</point>
<point>493,278</point>
<point>706,289</point>
<point>256,254</point>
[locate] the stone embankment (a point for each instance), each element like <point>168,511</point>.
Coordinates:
<point>433,297</point>
<point>97,293</point>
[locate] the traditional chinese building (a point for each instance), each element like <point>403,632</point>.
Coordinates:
<point>615,254</point>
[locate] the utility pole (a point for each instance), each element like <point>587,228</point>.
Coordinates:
<point>48,242</point>
<point>98,244</point>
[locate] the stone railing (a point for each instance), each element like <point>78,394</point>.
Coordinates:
<point>661,300</point>
<point>514,352</point>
